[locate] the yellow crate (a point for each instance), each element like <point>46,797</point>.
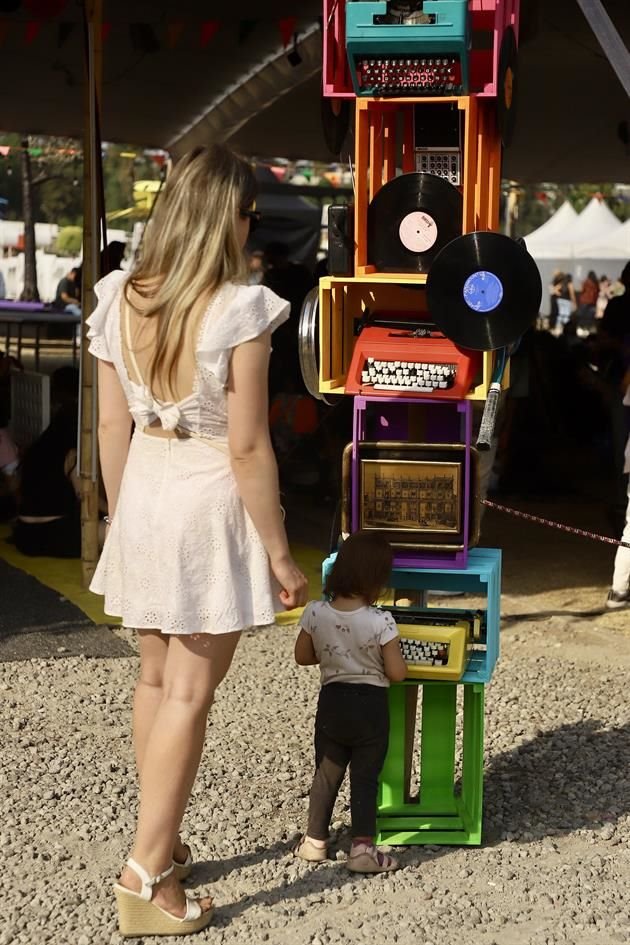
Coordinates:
<point>344,300</point>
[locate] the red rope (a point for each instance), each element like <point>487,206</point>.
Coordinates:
<point>562,528</point>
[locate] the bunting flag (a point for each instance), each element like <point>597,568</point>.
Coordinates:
<point>32,30</point>
<point>208,30</point>
<point>4,150</point>
<point>106,29</point>
<point>173,33</point>
<point>287,27</point>
<point>143,38</point>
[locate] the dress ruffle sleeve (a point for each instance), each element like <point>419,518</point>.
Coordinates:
<point>240,316</point>
<point>100,321</point>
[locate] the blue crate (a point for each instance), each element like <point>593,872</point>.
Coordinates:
<point>481,577</point>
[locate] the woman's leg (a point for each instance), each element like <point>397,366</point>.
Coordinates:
<point>148,695</point>
<point>146,702</point>
<point>194,667</point>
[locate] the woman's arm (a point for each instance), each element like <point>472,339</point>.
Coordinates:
<point>254,463</point>
<point>114,431</point>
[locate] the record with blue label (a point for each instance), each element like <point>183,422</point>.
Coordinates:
<point>410,219</point>
<point>484,290</point>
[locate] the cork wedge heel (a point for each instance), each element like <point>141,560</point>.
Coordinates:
<point>139,916</point>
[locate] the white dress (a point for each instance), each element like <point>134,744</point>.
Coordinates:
<point>182,554</point>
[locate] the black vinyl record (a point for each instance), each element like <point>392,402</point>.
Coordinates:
<point>507,91</point>
<point>412,218</point>
<point>484,290</point>
<point>335,113</point>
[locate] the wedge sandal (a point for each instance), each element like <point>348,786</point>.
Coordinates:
<point>183,870</point>
<point>365,858</point>
<point>139,916</point>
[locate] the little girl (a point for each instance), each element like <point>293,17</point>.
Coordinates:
<point>357,648</point>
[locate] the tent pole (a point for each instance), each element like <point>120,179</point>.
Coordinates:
<point>609,39</point>
<point>88,449</point>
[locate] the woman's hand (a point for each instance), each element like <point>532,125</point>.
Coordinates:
<point>294,584</point>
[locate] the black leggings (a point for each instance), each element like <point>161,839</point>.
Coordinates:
<point>351,727</point>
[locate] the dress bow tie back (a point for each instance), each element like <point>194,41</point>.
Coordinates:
<point>149,408</point>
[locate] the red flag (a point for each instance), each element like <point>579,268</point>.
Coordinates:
<point>208,29</point>
<point>105,31</point>
<point>287,29</point>
<point>173,33</point>
<point>32,31</point>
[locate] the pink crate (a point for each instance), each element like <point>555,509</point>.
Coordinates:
<point>488,16</point>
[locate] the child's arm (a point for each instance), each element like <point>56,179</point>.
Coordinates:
<point>395,666</point>
<point>304,650</point>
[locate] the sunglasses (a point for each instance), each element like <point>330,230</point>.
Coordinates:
<point>254,217</point>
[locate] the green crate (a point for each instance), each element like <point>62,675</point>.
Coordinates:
<point>444,812</point>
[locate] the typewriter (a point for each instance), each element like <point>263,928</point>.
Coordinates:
<point>437,644</point>
<point>407,358</point>
<point>408,47</point>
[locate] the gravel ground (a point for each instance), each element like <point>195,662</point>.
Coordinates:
<point>554,867</point>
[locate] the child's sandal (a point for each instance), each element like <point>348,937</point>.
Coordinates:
<point>365,858</point>
<point>306,850</point>
<point>139,916</point>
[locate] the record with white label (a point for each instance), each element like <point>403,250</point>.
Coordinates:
<point>484,290</point>
<point>412,218</point>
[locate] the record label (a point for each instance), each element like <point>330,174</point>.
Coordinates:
<point>410,219</point>
<point>483,291</point>
<point>418,232</point>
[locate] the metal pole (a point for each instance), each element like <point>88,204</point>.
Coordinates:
<point>609,39</point>
<point>88,447</point>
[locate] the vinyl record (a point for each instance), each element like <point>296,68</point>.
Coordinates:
<point>335,113</point>
<point>507,90</point>
<point>484,291</point>
<point>410,220</point>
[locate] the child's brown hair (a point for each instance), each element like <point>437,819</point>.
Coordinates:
<point>362,567</point>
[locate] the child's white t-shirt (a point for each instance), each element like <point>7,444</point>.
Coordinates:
<point>348,643</point>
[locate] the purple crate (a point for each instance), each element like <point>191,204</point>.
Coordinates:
<point>447,422</point>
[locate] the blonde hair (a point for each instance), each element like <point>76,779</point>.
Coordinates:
<point>191,247</point>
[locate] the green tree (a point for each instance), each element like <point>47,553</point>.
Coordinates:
<point>69,241</point>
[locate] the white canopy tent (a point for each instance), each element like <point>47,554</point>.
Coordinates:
<point>567,241</point>
<point>615,246</point>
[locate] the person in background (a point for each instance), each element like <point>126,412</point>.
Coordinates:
<point>563,302</point>
<point>585,315</point>
<point>291,281</point>
<point>603,297</point>
<point>619,593</point>
<point>49,510</point>
<point>256,267</point>
<point>616,319</point>
<point>67,298</point>
<point>358,651</point>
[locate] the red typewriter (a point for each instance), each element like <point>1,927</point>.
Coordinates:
<point>394,358</point>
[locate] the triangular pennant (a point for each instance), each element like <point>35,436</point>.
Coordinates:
<point>32,31</point>
<point>208,29</point>
<point>4,150</point>
<point>64,31</point>
<point>5,26</point>
<point>245,27</point>
<point>287,27</point>
<point>173,33</point>
<point>106,29</point>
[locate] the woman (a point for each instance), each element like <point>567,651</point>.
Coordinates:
<point>197,546</point>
